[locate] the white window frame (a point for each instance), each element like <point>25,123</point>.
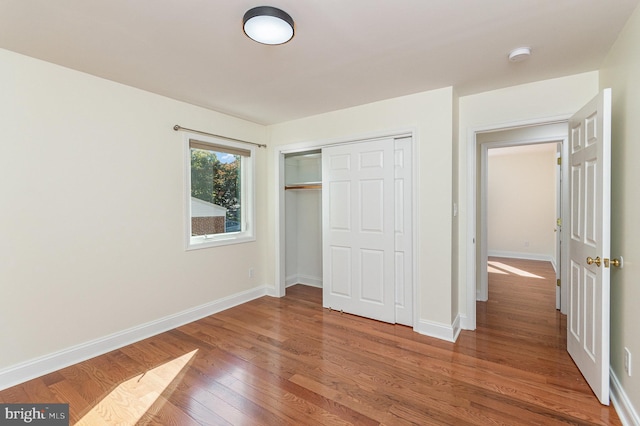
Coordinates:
<point>247,197</point>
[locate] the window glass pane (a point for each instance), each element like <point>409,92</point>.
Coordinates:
<point>215,192</point>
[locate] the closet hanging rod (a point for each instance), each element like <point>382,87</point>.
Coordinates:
<point>178,127</point>
<point>307,186</point>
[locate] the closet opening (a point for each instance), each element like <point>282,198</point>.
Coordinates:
<point>303,218</point>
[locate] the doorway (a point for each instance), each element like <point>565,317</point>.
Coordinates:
<point>520,204</point>
<point>530,133</point>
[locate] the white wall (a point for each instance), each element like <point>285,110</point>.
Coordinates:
<point>521,202</point>
<point>304,237</point>
<point>92,218</point>
<point>534,102</point>
<point>429,114</point>
<point>621,72</point>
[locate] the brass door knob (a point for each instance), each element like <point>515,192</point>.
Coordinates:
<point>591,261</point>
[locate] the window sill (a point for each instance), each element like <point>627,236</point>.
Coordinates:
<point>202,243</point>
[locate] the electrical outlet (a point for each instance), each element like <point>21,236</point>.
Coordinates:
<point>627,361</point>
<point>250,272</point>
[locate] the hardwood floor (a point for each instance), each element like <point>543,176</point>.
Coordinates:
<point>288,361</point>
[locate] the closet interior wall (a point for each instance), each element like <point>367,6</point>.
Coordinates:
<point>303,224</point>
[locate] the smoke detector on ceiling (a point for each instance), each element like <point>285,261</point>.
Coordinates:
<point>519,54</point>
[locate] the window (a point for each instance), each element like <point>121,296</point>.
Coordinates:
<point>219,193</point>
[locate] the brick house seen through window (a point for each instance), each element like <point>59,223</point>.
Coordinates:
<point>207,218</point>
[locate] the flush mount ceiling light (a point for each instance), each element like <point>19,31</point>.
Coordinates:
<point>268,25</point>
<point>519,54</point>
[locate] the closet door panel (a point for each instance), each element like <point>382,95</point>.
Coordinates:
<point>358,229</point>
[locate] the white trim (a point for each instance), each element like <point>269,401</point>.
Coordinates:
<point>519,255</point>
<point>40,366</point>
<point>464,322</point>
<point>471,290</point>
<point>621,402</point>
<point>483,288</point>
<point>290,280</point>
<point>562,138</point>
<point>312,145</point>
<point>564,230</point>
<point>280,226</point>
<point>304,280</point>
<point>271,291</point>
<point>438,330</point>
<point>415,224</point>
<point>196,243</point>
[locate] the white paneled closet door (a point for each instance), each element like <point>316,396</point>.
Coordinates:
<point>403,232</point>
<point>361,219</point>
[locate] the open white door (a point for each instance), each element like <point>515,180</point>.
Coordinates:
<point>590,195</point>
<point>558,230</point>
<point>358,229</point>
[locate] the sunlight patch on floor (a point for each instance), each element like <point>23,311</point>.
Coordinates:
<point>499,266</point>
<point>493,270</point>
<point>128,402</point>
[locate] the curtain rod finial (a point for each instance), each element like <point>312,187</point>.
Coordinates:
<point>176,127</point>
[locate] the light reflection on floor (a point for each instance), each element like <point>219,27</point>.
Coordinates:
<point>128,402</point>
<point>502,268</point>
<point>493,270</point>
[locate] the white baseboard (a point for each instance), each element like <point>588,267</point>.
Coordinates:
<point>465,323</point>
<point>520,255</point>
<point>40,366</point>
<point>272,291</point>
<point>456,327</point>
<point>624,408</point>
<point>304,279</point>
<point>290,280</point>
<point>438,330</point>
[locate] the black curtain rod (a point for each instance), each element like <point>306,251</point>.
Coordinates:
<point>178,127</point>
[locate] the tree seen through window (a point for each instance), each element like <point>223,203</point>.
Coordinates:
<point>215,178</point>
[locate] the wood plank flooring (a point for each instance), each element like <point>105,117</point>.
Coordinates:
<point>288,361</point>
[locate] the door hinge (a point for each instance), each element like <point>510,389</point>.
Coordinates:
<point>558,282</point>
<point>559,161</point>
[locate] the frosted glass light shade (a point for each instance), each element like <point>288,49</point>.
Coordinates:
<point>268,25</point>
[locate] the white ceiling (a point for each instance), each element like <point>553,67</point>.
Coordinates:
<point>344,53</point>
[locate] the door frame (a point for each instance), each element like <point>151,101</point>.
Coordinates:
<point>476,246</point>
<point>559,237</point>
<point>279,206</point>
<point>482,291</point>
